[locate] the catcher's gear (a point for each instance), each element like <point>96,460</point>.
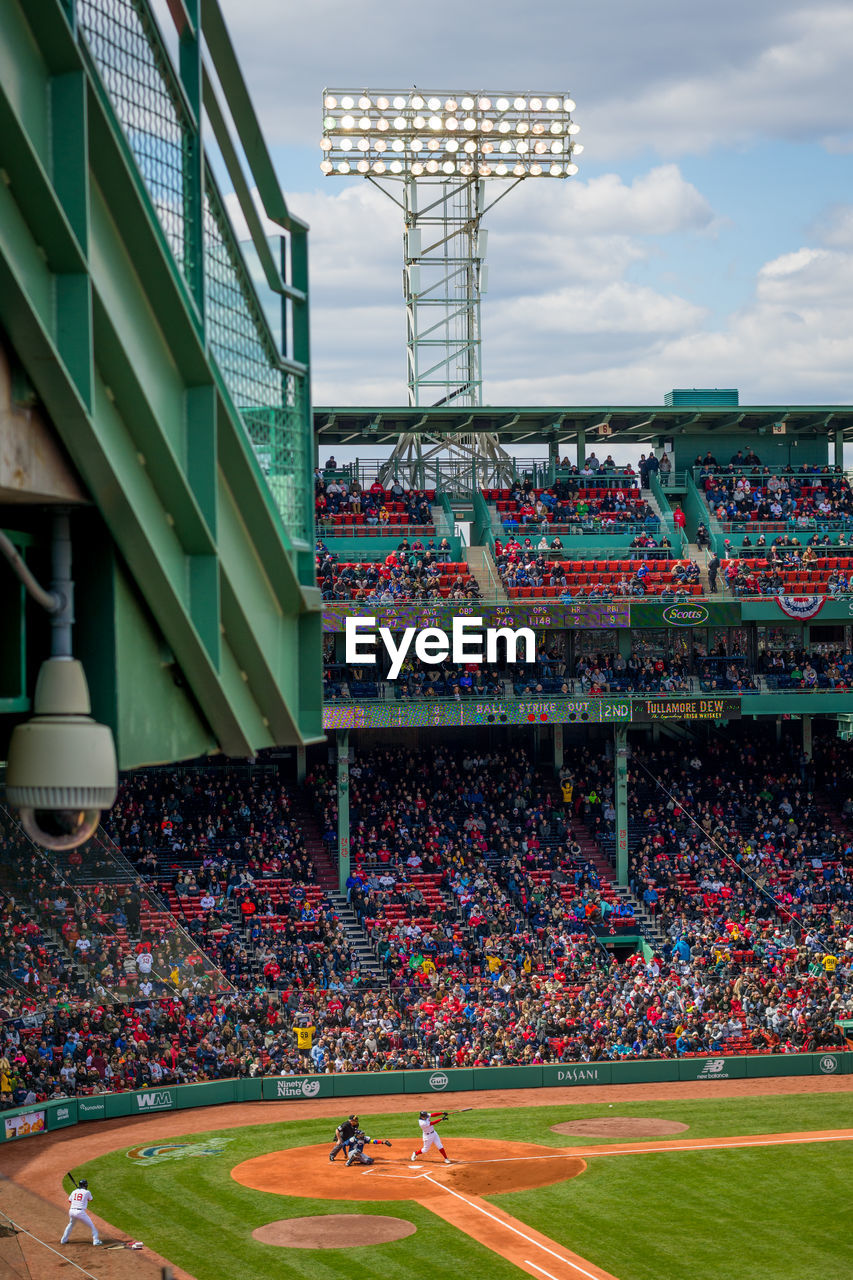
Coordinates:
<point>83,1183</point>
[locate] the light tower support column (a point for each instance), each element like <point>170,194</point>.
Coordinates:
<point>343,809</point>
<point>620,733</point>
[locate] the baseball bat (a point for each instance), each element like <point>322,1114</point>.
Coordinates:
<point>73,1179</point>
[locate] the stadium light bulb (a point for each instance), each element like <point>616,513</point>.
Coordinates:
<point>417,169</point>
<point>569,104</point>
<point>535,104</point>
<point>417,103</point>
<point>449,166</point>
<point>451,104</point>
<point>382,125</point>
<point>326,144</point>
<point>500,169</point>
<point>535,170</point>
<point>383,104</point>
<point>577,148</point>
<point>469,123</point>
<point>519,104</point>
<point>502,104</point>
<point>364,103</point>
<point>467,104</point>
<point>432,166</point>
<point>345,144</point>
<point>485,104</point>
<point>326,166</point>
<point>344,166</point>
<point>434,104</point>
<point>379,166</point>
<point>435,122</point>
<point>347,122</point>
<point>571,169</point>
<point>485,170</point>
<point>396,166</point>
<point>573,129</point>
<point>556,127</point>
<point>398,104</point>
<point>486,126</point>
<point>330,102</point>
<point>398,145</point>
<point>556,170</point>
<point>519,171</point>
<point>451,145</point>
<point>400,122</point>
<point>364,122</point>
<point>381,145</point>
<point>347,103</point>
<point>553,104</point>
<point>363,166</point>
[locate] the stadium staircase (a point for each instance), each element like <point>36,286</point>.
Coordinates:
<point>327,878</point>
<point>315,845</point>
<point>491,587</point>
<point>592,851</point>
<point>368,961</point>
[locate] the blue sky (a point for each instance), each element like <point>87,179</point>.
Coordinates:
<point>707,240</point>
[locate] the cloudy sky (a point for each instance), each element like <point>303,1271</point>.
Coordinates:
<point>706,241</point>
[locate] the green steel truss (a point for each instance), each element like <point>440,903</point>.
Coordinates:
<point>126,297</point>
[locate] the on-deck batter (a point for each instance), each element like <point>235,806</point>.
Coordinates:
<point>427,1121</point>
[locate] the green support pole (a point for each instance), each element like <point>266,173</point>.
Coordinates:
<point>558,748</point>
<point>839,449</point>
<point>581,447</point>
<point>301,754</point>
<point>807,737</point>
<point>343,809</point>
<point>620,734</point>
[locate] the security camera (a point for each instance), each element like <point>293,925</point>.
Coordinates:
<point>62,765</point>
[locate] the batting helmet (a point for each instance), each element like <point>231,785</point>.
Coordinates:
<point>83,1183</point>
<point>423,1115</point>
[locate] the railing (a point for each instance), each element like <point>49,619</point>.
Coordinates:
<point>160,108</point>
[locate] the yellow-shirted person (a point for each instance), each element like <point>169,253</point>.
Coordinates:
<point>830,963</point>
<point>304,1032</point>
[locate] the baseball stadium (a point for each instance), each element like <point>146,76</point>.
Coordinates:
<point>392,792</point>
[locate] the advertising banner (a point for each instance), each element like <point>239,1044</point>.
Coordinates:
<point>24,1126</point>
<point>301,1087</point>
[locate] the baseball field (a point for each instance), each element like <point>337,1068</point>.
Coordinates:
<point>703,1188</point>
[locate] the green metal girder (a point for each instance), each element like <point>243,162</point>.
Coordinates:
<point>113,341</point>
<point>343,425</point>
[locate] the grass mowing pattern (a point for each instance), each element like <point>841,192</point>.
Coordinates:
<point>762,1214</point>
<point>759,1214</point>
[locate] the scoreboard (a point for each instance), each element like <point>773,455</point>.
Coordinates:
<point>446,714</point>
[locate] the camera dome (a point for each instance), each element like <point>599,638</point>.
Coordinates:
<point>62,765</point>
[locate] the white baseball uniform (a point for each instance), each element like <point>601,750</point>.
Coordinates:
<point>78,1201</point>
<point>431,1136</point>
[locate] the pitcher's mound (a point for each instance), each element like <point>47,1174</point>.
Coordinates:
<point>333,1231</point>
<point>619,1127</point>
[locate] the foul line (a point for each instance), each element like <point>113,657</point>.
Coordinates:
<point>528,1263</point>
<point>500,1221</point>
<point>725,1145</point>
<point>63,1256</point>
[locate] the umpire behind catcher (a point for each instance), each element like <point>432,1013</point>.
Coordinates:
<point>344,1135</point>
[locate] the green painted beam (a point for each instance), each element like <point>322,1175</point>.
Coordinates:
<point>112,338</point>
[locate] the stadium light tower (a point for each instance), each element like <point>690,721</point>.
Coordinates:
<point>432,154</point>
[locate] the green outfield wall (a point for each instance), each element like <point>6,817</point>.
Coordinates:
<point>45,1117</point>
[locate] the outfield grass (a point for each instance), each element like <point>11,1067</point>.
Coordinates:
<point>748,1214</point>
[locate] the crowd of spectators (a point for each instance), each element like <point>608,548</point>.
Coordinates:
<point>578,502</point>
<point>412,572</point>
<point>529,569</point>
<point>375,506</point>
<point>484,885</point>
<point>805,496</point>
